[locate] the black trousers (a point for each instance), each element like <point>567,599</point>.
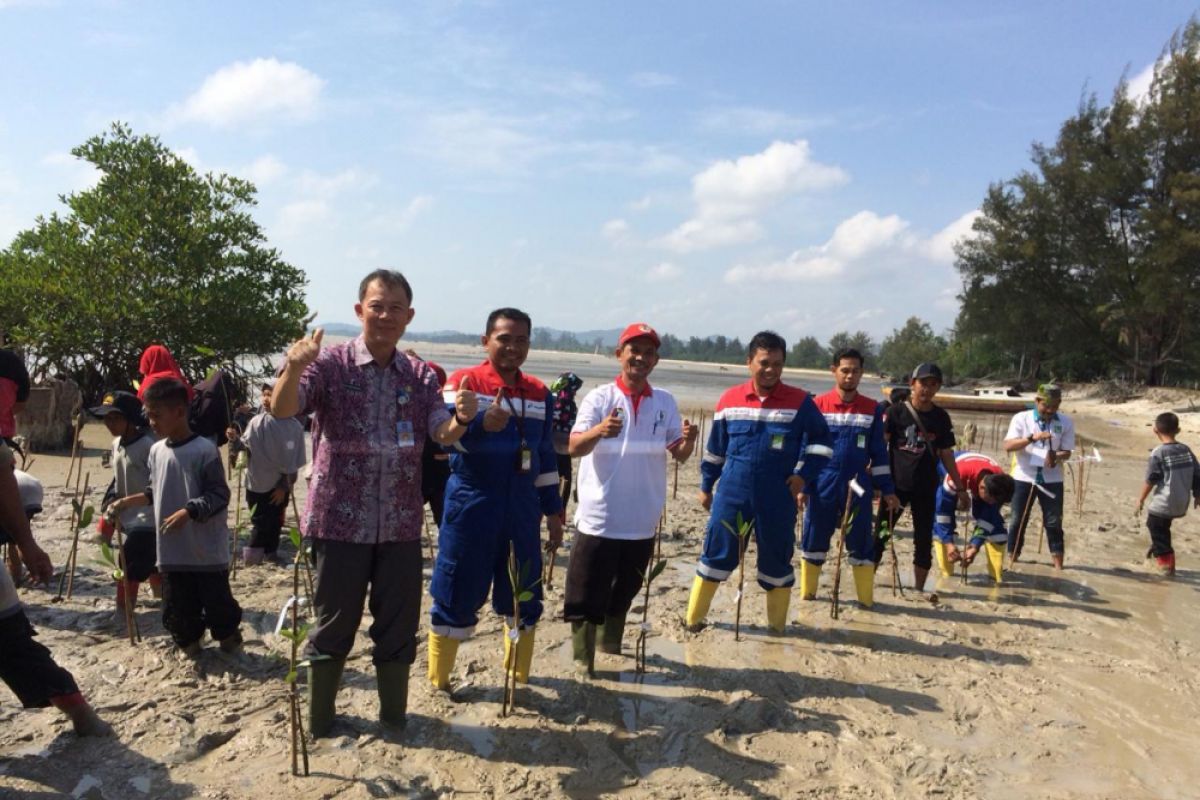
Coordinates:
<point>1160,535</point>
<point>922,503</point>
<point>266,522</point>
<point>194,601</point>
<point>604,576</point>
<point>345,572</point>
<point>27,666</point>
<point>141,553</point>
<point>564,476</point>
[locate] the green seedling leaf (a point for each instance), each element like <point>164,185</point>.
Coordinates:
<point>658,568</point>
<point>291,676</point>
<point>118,574</point>
<point>205,351</point>
<point>525,596</point>
<point>76,507</point>
<point>294,536</point>
<point>106,553</point>
<point>86,519</point>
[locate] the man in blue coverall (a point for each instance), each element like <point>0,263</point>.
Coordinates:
<point>768,441</point>
<point>859,454</point>
<point>503,480</point>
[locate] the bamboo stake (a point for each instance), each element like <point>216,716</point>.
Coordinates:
<point>639,650</point>
<point>131,627</point>
<point>237,525</point>
<point>744,545</point>
<point>895,562</point>
<point>1012,559</point>
<point>297,721</point>
<point>74,449</point>
<point>510,662</point>
<point>308,577</point>
<point>837,574</point>
<point>72,558</point>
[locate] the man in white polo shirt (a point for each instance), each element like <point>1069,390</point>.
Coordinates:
<point>1041,440</point>
<point>623,434</point>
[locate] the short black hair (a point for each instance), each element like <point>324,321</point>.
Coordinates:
<point>514,314</point>
<point>390,278</point>
<point>847,352</point>
<point>1000,487</point>
<point>1167,423</point>
<point>166,392</point>
<point>765,340</point>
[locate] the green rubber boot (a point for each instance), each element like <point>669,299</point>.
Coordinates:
<point>583,648</point>
<point>391,680</point>
<point>324,677</point>
<point>610,635</point>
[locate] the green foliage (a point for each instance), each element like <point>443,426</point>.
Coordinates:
<point>859,340</point>
<point>153,253</point>
<point>109,559</point>
<point>719,349</point>
<point>742,529</point>
<point>1088,264</point>
<point>909,346</point>
<point>808,354</point>
<point>293,536</point>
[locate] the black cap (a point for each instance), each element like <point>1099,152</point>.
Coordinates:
<point>927,370</point>
<point>124,403</point>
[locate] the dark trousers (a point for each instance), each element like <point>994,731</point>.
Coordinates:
<point>1052,514</point>
<point>922,503</point>
<point>27,666</point>
<point>141,553</point>
<point>346,572</point>
<point>1160,535</point>
<point>267,520</point>
<point>193,601</point>
<point>604,576</point>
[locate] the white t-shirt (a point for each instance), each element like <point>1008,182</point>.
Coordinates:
<point>623,482</point>
<point>1033,455</point>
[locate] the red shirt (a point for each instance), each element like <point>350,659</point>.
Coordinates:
<point>636,400</point>
<point>972,467</point>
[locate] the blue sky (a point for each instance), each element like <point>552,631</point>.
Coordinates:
<point>705,167</point>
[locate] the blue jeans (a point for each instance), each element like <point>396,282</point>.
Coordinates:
<point>1052,514</point>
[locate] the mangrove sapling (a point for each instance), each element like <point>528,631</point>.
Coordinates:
<point>742,532</point>
<point>639,650</point>
<point>887,535</point>
<point>301,548</point>
<point>237,515</point>
<point>517,575</point>
<point>296,634</point>
<point>116,564</point>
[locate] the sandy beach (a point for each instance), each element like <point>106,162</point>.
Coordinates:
<point>1079,684</point>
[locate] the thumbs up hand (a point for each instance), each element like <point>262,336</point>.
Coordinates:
<point>611,426</point>
<point>305,351</point>
<point>495,419</point>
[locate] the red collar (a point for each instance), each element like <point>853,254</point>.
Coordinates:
<point>625,390</point>
<point>772,393</point>
<point>487,380</point>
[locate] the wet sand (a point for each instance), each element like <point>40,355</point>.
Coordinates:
<point>1078,684</point>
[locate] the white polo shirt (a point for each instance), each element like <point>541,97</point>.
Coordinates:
<point>623,482</point>
<point>1032,456</point>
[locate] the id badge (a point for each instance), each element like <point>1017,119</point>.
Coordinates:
<point>404,434</point>
<point>524,460</point>
<point>862,441</point>
<point>777,441</point>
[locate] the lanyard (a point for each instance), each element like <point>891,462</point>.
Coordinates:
<point>520,418</point>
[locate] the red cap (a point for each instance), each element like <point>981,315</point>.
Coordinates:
<point>636,331</point>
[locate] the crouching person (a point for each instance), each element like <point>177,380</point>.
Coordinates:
<point>987,490</point>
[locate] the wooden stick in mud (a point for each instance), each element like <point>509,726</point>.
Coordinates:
<point>837,571</point>
<point>895,562</point>
<point>131,625</point>
<point>71,465</point>
<point>76,510</point>
<point>301,555</point>
<point>1012,559</point>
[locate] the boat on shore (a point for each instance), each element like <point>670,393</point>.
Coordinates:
<point>986,399</point>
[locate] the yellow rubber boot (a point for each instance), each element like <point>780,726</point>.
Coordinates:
<point>777,608</point>
<point>810,576</point>
<point>524,651</point>
<point>939,550</point>
<point>864,584</point>
<point>442,650</point>
<point>699,601</point>
<point>995,560</point>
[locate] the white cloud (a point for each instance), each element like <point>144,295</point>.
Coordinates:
<point>316,183</point>
<point>80,174</point>
<point>641,204</point>
<point>615,230</point>
<point>1139,85</point>
<point>302,215</point>
<point>666,271</point>
<point>412,209</point>
<point>761,121</point>
<point>652,80</point>
<point>257,91</point>
<point>863,241</point>
<point>263,170</point>
<point>730,193</point>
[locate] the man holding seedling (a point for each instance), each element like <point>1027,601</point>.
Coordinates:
<point>860,455</point>
<point>768,442</point>
<point>503,480</point>
<point>622,433</point>
<point>1041,441</point>
<point>988,489</point>
<point>373,406</point>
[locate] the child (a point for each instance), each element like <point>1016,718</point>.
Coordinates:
<point>276,454</point>
<point>122,415</point>
<point>190,498</point>
<point>25,665</point>
<point>1171,474</point>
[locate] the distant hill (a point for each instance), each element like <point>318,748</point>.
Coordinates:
<point>544,337</point>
